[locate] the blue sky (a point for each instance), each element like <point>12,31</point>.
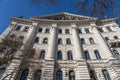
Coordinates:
<point>25,8</point>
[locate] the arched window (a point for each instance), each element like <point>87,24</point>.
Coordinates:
<point>36,40</point>
<point>59,41</point>
<point>42,55</point>
<point>87,57</point>
<point>59,55</point>
<point>37,75</point>
<point>68,41</point>
<point>93,75</point>
<point>91,41</point>
<point>59,75</point>
<point>24,74</point>
<point>45,40</point>
<point>2,70</point>
<point>70,56</point>
<point>106,75</point>
<point>115,53</point>
<point>71,75</point>
<point>82,41</point>
<point>97,54</point>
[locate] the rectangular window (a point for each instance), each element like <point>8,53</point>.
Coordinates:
<point>60,31</point>
<point>18,27</point>
<point>67,31</point>
<point>79,31</point>
<point>26,28</point>
<point>100,29</point>
<point>87,30</point>
<point>109,29</point>
<point>47,30</point>
<point>40,30</point>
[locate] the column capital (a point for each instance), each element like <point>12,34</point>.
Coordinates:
<point>73,25</point>
<point>54,25</point>
<point>34,24</point>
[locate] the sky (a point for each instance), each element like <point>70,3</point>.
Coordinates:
<point>16,8</point>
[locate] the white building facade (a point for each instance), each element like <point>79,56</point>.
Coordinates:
<point>67,47</point>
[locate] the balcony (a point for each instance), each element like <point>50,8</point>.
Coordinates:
<point>114,43</point>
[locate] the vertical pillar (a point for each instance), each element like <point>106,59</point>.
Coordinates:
<point>8,31</point>
<point>12,70</point>
<point>52,43</point>
<point>101,41</point>
<point>30,33</point>
<point>77,45</point>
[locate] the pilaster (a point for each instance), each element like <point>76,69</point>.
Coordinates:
<point>76,42</point>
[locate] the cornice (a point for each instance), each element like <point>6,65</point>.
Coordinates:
<point>106,21</point>
<point>21,20</point>
<point>64,21</point>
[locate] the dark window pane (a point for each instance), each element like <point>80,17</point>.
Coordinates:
<point>24,74</point>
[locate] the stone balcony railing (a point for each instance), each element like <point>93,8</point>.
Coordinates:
<point>114,43</point>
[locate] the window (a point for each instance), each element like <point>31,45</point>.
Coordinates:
<point>37,75</point>
<point>12,36</point>
<point>18,28</point>
<point>59,55</point>
<point>106,38</point>
<point>82,41</point>
<point>59,75</point>
<point>60,31</point>
<point>87,30</point>
<point>93,75</point>
<point>91,41</point>
<point>24,74</point>
<point>67,31</point>
<point>40,30</point>
<point>115,53</point>
<point>45,40</point>
<point>59,41</point>
<point>36,40</point>
<point>47,30</point>
<point>108,28</point>
<point>68,41</point>
<point>115,37</point>
<point>100,29</point>
<point>106,75</point>
<point>2,49</point>
<point>71,75</point>
<point>79,31</point>
<point>70,56</point>
<point>42,55</point>
<point>26,29</point>
<point>2,70</point>
<point>97,54</point>
<point>87,57</point>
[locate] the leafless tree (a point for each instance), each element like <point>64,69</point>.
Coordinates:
<point>96,8</point>
<point>12,45</point>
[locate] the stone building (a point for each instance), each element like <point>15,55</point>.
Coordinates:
<point>67,47</point>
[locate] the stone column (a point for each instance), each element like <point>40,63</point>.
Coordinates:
<point>52,43</point>
<point>31,32</point>
<point>102,42</point>
<point>77,45</point>
<point>8,31</point>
